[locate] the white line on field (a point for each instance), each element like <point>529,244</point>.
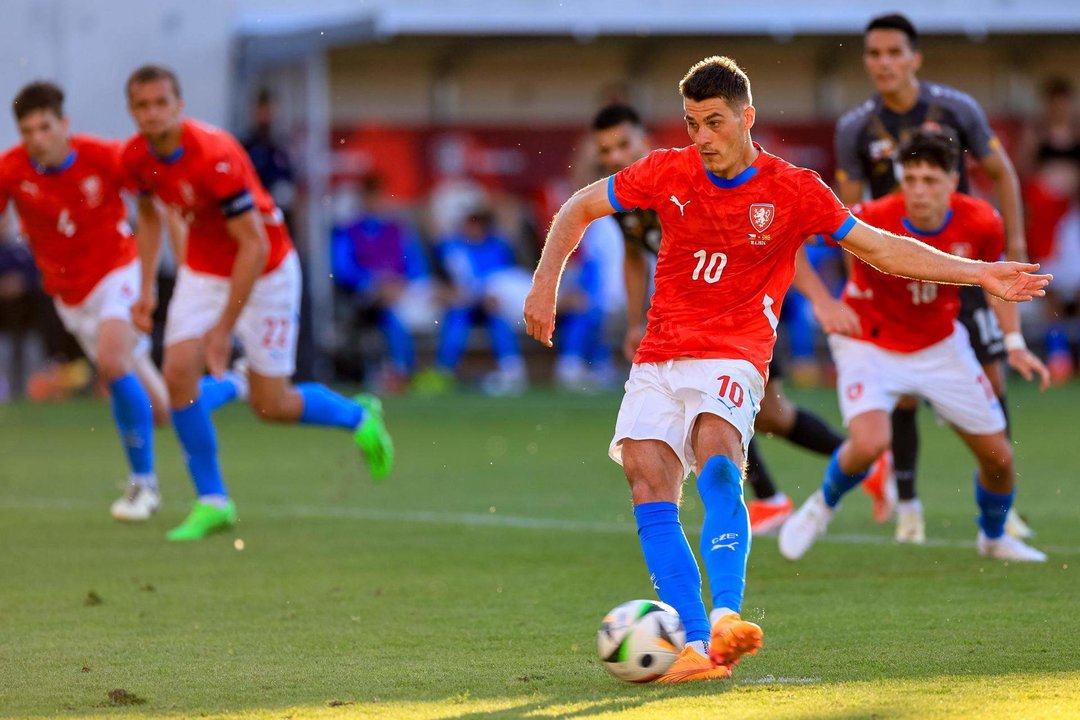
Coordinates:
<point>432,517</point>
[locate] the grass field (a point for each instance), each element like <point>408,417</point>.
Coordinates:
<point>470,584</point>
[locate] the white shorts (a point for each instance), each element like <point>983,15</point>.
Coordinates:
<point>946,374</point>
<point>267,326</point>
<point>111,299</point>
<point>663,401</point>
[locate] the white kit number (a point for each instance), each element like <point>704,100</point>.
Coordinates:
<point>922,293</point>
<point>717,263</point>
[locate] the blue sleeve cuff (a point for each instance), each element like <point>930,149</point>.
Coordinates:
<point>611,195</point>
<point>843,230</point>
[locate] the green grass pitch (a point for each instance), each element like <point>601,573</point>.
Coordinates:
<point>470,584</point>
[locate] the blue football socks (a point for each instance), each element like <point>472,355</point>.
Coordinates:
<point>135,421</point>
<point>672,566</point>
<point>214,392</point>
<point>993,507</point>
<point>837,483</point>
<point>199,442</point>
<point>323,406</point>
<point>725,534</point>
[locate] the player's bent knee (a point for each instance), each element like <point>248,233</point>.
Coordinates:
<point>867,447</point>
<point>720,474</point>
<point>113,366</point>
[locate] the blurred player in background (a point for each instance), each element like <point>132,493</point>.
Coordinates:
<point>240,276</point>
<point>620,140</point>
<point>734,218</point>
<point>66,189</point>
<point>866,142</point>
<point>912,345</point>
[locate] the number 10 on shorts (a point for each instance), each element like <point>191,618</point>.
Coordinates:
<point>731,391</point>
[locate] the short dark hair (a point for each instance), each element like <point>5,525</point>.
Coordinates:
<point>932,147</point>
<point>615,114</point>
<point>152,73</point>
<point>895,21</point>
<point>40,95</point>
<point>717,77</point>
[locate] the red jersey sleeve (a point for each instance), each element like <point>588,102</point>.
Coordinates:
<point>227,182</point>
<point>992,240</point>
<point>636,186</point>
<point>821,211</point>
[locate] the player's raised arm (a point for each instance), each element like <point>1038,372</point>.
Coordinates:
<point>148,240</point>
<point>907,257</point>
<point>586,205</point>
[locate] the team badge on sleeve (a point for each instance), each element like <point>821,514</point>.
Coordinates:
<point>761,216</point>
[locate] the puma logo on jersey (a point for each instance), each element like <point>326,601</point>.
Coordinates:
<point>682,206</point>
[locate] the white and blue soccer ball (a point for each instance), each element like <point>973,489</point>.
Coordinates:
<point>639,640</point>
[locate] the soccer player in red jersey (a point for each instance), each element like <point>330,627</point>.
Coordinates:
<point>734,217</point>
<point>240,277</point>
<point>66,189</point>
<point>912,344</point>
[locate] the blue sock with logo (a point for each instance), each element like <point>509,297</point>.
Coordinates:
<point>323,406</point>
<point>725,534</point>
<point>214,393</point>
<point>199,442</point>
<point>672,566</point>
<point>135,421</point>
<point>837,483</point>
<point>993,507</point>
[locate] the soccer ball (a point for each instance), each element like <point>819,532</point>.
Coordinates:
<point>639,640</point>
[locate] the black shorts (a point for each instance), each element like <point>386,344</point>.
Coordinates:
<point>987,340</point>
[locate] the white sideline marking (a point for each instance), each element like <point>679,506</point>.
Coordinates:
<point>431,517</point>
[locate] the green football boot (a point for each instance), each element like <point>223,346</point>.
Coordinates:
<point>373,439</point>
<point>204,520</point>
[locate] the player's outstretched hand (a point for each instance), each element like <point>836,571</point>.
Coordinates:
<point>540,313</point>
<point>837,317</point>
<point>1029,365</point>
<point>1015,282</point>
<point>142,312</point>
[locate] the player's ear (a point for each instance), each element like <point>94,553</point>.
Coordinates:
<point>916,61</point>
<point>749,114</point>
<point>954,181</point>
<point>65,124</point>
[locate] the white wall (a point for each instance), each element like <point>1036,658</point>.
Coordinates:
<point>90,46</point>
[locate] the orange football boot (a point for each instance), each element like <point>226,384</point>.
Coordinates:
<point>766,518</point>
<point>732,637</point>
<point>692,665</point>
<point>878,484</point>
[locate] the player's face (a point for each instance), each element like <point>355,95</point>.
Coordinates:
<point>155,108</point>
<point>926,191</point>
<point>720,132</point>
<point>45,137</point>
<point>890,60</point>
<point>620,146</point>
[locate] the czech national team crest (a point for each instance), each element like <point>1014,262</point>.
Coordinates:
<point>761,216</point>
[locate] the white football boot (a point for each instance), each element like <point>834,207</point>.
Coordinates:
<point>1015,526</point>
<point>806,525</point>
<point>239,376</point>
<point>137,504</point>
<point>1007,547</point>
<point>910,526</point>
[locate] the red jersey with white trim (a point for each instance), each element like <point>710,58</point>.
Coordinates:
<point>72,215</point>
<point>208,180</point>
<point>727,253</point>
<point>906,315</point>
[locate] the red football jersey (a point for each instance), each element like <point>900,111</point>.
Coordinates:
<point>209,179</point>
<point>907,315</point>
<point>727,254</point>
<point>72,215</point>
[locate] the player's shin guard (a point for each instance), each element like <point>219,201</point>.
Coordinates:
<point>837,483</point>
<point>993,508</point>
<point>814,434</point>
<point>323,406</point>
<point>725,535</point>
<point>214,392</point>
<point>672,566</point>
<point>135,421</point>
<point>199,441</point>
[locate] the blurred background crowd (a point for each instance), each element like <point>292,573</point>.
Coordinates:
<point>419,164</point>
